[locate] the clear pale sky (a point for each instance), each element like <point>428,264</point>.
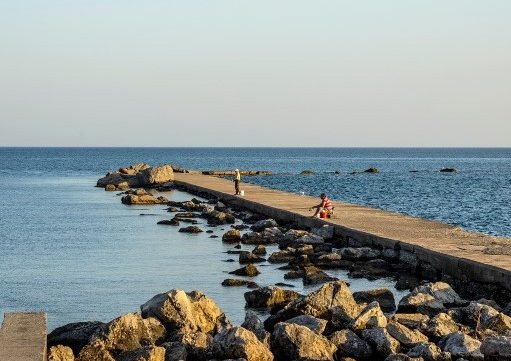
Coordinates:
<point>255,73</point>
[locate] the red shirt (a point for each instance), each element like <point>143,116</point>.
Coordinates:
<point>326,203</point>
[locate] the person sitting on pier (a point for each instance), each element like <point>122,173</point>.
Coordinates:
<point>324,208</point>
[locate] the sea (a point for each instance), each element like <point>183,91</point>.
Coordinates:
<point>74,251</point>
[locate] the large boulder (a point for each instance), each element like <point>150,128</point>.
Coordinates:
<point>60,353</point>
<point>249,270</point>
<point>143,199</point>
<point>253,323</point>
<point>130,331</point>
<point>248,257</point>
<point>270,297</point>
<point>500,323</point>
<point>404,335</point>
<point>359,254</point>
<point>231,236</point>
<point>156,175</point>
<point>317,325</point>
<point>95,350</point>
<point>283,256</point>
<point>384,297</point>
<point>411,320</point>
<point>193,311</point>
<point>441,325</point>
<point>263,224</point>
<point>418,302</point>
<point>429,352</point>
<point>198,344</point>
<point>218,218</point>
<point>371,316</point>
<point>497,348</point>
<point>383,343</point>
<point>295,342</point>
<point>350,345</point>
<point>442,292</point>
<point>238,342</point>
<point>461,345</point>
<point>175,351</point>
<point>75,335</point>
<point>145,353</point>
<point>313,276</point>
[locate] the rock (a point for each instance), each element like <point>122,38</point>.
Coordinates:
<point>270,297</point>
<point>499,323</point>
<point>314,324</point>
<point>95,350</point>
<point>442,292</point>
<point>174,351</point>
<point>232,236</point>
<point>129,332</point>
<point>420,302</point>
<point>406,282</point>
<point>259,250</point>
<point>198,344</point>
<point>143,199</point>
<point>294,234</point>
<point>496,348</point>
<point>309,239</point>
<point>313,276</point>
<point>350,345</point>
<point>295,342</point>
<point>249,270</point>
<point>372,269</point>
<point>404,335</point>
<point>267,236</point>
<point>359,254</point>
<point>475,314</point>
<point>60,353</point>
<point>448,170</point>
<point>229,282</point>
<point>192,311</point>
<point>441,325</point>
<point>253,323</point>
<point>384,297</point>
<point>307,172</point>
<point>401,357</point>
<point>263,224</point>
<point>156,175</point>
<point>372,170</point>
<point>331,260</point>
<point>187,215</point>
<point>75,335</point>
<point>383,343</point>
<point>429,352</point>
<point>169,222</point>
<point>249,257</point>
<point>110,188</point>
<point>411,320</point>
<point>283,256</point>
<point>460,345</point>
<point>326,231</point>
<point>371,316</point>
<point>238,342</point>
<point>145,353</point>
<point>218,218</point>
<point>190,229</point>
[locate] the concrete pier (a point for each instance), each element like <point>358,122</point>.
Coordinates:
<point>465,256</point>
<point>23,337</point>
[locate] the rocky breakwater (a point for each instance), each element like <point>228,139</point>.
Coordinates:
<point>137,175</point>
<point>432,323</point>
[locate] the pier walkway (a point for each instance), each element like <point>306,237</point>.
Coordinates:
<point>23,337</point>
<point>451,250</point>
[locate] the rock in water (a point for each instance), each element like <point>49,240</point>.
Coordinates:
<point>295,342</point>
<point>238,342</point>
<point>232,236</point>
<point>249,270</point>
<point>193,311</point>
<point>269,297</point>
<point>190,229</point>
<point>249,257</point>
<point>156,175</point>
<point>143,199</point>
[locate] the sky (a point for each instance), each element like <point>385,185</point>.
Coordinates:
<point>255,73</point>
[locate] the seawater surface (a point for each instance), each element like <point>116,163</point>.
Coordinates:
<point>76,252</point>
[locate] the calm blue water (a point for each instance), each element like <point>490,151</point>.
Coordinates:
<point>75,252</point>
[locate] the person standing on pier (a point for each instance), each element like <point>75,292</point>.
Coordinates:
<point>237,179</point>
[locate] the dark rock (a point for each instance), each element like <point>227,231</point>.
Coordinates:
<point>350,345</point>
<point>249,257</point>
<point>317,325</point>
<point>213,236</point>
<point>263,224</point>
<point>175,351</point>
<point>249,270</point>
<point>307,172</point>
<point>253,323</point>
<point>229,282</point>
<point>359,254</point>
<point>496,348</point>
<point>313,276</point>
<point>190,229</point>
<point>169,222</point>
<point>373,269</point>
<point>238,342</point>
<point>372,170</point>
<point>383,343</point>
<point>259,250</point>
<point>231,236</point>
<point>75,335</point>
<point>461,345</point>
<point>448,170</point>
<point>218,218</point>
<point>384,297</point>
<point>270,297</point>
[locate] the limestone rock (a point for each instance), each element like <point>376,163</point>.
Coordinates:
<point>175,351</point>
<point>313,276</point>
<point>60,353</point>
<point>441,325</point>
<point>314,324</point>
<point>259,250</point>
<point>283,256</point>
<point>253,323</point>
<point>295,342</point>
<point>294,234</point>
<point>238,342</point>
<point>198,344</point>
<point>192,311</point>
<point>499,323</point>
<point>218,218</point>
<point>156,175</point>
<point>372,269</point>
<point>269,297</point>
<point>232,236</point>
<point>405,335</point>
<point>249,270</point>
<point>497,348</point>
<point>350,345</point>
<point>190,229</point>
<point>95,350</point>
<point>420,302</point>
<point>383,343</point>
<point>384,297</point>
<point>460,345</point>
<point>359,254</point>
<point>370,317</point>
<point>263,224</point>
<point>130,332</point>
<point>145,353</point>
<point>429,352</point>
<point>249,257</point>
<point>442,292</point>
<point>143,199</point>
<point>411,320</point>
<point>326,231</point>
<point>75,335</point>
<point>231,282</point>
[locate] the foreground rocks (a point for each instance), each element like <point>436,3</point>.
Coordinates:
<point>327,324</point>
